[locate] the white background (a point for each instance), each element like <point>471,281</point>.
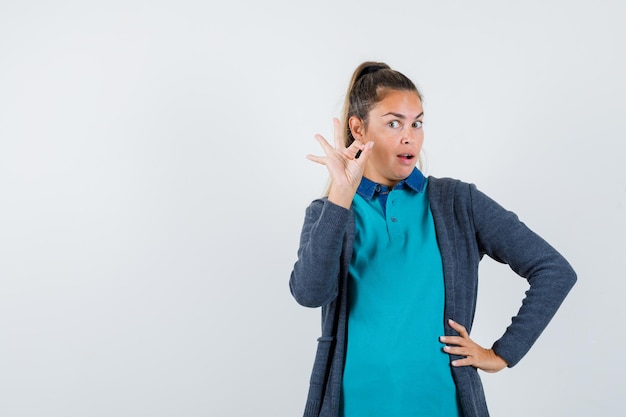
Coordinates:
<point>153,183</point>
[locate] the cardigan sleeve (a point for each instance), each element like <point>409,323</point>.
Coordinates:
<point>503,237</point>
<point>315,276</point>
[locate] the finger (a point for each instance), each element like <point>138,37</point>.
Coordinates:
<point>364,153</point>
<point>454,340</point>
<point>354,149</point>
<point>339,140</point>
<point>463,362</point>
<point>318,159</point>
<point>457,350</point>
<point>324,144</point>
<point>458,327</point>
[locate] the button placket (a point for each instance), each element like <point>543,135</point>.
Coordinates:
<point>394,226</point>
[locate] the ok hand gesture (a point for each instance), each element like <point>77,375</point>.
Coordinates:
<point>344,166</point>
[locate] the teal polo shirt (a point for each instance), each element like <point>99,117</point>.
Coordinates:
<point>395,365</point>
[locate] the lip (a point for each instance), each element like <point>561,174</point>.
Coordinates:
<point>406,158</point>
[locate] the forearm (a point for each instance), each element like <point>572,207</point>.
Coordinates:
<point>548,289</point>
<point>315,276</point>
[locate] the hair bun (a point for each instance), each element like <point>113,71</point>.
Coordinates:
<point>370,69</point>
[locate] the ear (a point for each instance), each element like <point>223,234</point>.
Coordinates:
<point>357,127</point>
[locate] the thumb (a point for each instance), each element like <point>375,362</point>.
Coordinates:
<point>365,153</point>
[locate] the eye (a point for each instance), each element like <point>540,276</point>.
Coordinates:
<point>417,124</point>
<point>394,124</point>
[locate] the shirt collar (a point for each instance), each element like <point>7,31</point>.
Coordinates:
<point>415,181</point>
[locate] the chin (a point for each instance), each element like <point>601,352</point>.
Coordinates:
<point>406,172</point>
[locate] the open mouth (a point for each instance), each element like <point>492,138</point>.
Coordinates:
<point>406,156</point>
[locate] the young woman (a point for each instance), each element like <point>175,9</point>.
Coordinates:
<point>392,258</point>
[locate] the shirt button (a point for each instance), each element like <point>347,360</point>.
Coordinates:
<point>393,219</point>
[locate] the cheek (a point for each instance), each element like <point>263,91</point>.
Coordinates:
<point>380,152</point>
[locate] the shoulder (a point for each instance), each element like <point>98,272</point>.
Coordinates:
<point>446,182</point>
<point>452,197</point>
<point>444,188</point>
<point>321,208</point>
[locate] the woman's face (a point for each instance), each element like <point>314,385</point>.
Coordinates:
<point>395,127</point>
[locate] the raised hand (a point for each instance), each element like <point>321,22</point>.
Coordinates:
<point>343,164</point>
<point>475,355</point>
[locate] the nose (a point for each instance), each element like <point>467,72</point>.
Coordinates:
<point>407,136</point>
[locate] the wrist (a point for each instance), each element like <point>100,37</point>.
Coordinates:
<point>341,197</point>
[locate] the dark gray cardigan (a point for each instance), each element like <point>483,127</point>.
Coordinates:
<point>468,225</point>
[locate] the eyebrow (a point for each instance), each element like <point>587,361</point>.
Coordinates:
<point>401,116</point>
